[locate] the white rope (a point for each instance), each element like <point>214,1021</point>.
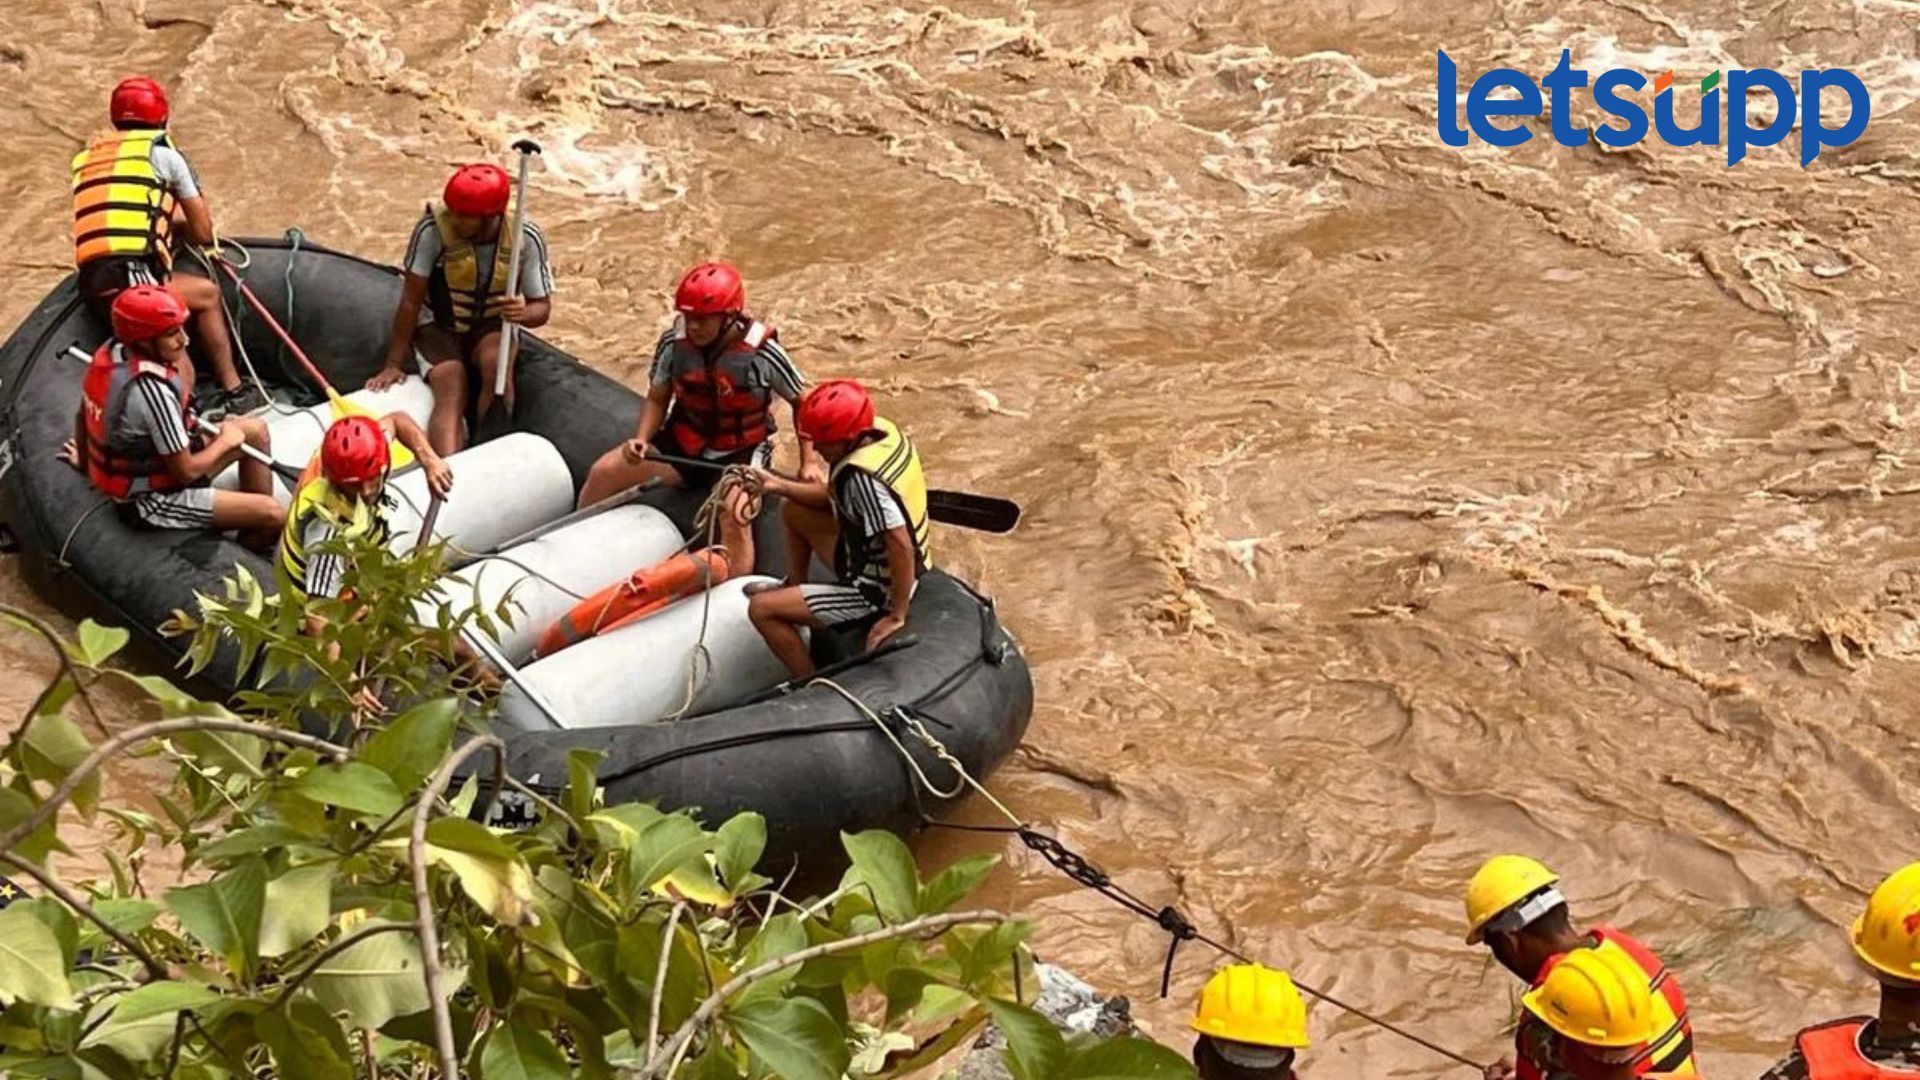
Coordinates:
<point>965,779</point>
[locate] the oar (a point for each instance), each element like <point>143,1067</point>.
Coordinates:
<point>527,148</point>
<point>284,471</point>
<point>960,508</point>
<point>402,457</point>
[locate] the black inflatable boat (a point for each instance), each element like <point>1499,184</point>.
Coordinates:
<point>804,756</point>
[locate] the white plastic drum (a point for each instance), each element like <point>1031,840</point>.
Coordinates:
<point>501,489</point>
<point>296,433</point>
<point>548,575</point>
<point>638,673</point>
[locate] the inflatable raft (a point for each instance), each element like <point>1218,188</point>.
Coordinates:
<point>724,736</point>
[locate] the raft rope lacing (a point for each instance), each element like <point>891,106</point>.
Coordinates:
<point>1083,872</point>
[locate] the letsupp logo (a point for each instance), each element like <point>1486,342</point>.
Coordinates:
<point>1801,107</point>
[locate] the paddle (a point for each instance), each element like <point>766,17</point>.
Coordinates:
<point>527,148</point>
<point>402,457</point>
<point>960,508</point>
<point>284,471</point>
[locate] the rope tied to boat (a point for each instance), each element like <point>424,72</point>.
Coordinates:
<point>706,524</point>
<point>1084,872</point>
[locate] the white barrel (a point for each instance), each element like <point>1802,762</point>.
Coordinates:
<point>296,433</point>
<point>501,488</point>
<point>638,673</point>
<point>548,575</point>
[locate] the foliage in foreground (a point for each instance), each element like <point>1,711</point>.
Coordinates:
<point>340,913</point>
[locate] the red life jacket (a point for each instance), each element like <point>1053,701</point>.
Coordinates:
<point>715,407</point>
<point>123,465</point>
<point>1832,1052</point>
<point>1670,1051</point>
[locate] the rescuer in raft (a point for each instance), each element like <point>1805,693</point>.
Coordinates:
<point>1514,907</point>
<point>871,512</point>
<point>456,272</point>
<point>1601,1012</point>
<point>1886,938</point>
<point>716,372</point>
<point>133,433</point>
<point>132,188</point>
<point>679,575</point>
<point>1251,1023</point>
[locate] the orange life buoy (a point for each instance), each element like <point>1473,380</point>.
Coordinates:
<point>674,578</point>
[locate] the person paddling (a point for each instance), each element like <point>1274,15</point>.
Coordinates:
<point>1251,1023</point>
<point>1601,1013</point>
<point>716,373</point>
<point>342,496</point>
<point>871,512</point>
<point>132,432</point>
<point>456,273</point>
<point>1514,907</point>
<point>131,189</point>
<point>1886,1046</point>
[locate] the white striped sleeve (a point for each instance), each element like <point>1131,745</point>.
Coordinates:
<point>662,370</point>
<point>782,376</point>
<point>536,271</point>
<point>157,414</point>
<point>423,247</point>
<point>871,505</point>
<point>324,571</point>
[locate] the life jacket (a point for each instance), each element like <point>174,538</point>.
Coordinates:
<point>1832,1052</point>
<point>892,460</point>
<point>351,519</point>
<point>715,405</point>
<point>460,291</point>
<point>676,577</point>
<point>1670,1051</point>
<point>119,464</point>
<point>120,204</point>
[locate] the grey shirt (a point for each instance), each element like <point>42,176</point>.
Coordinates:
<point>424,249</point>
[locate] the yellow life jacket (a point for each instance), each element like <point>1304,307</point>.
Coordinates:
<point>351,519</point>
<point>892,460</point>
<point>461,291</point>
<point>120,204</point>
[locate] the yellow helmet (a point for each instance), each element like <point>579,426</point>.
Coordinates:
<point>1887,935</point>
<point>1500,883</point>
<point>1596,997</point>
<point>1247,1003</point>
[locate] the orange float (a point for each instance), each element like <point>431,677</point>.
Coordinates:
<point>676,577</point>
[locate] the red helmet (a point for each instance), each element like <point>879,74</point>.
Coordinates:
<point>354,451</point>
<point>837,410</point>
<point>140,100</point>
<point>144,312</point>
<point>712,288</point>
<point>479,190</point>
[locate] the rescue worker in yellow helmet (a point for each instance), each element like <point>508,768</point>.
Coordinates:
<point>1251,1021</point>
<point>1513,906</point>
<point>1601,1012</point>
<point>1886,937</point>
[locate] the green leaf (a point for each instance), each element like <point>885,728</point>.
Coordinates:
<point>409,749</point>
<point>306,1042</point>
<point>298,904</point>
<point>253,840</point>
<point>378,979</point>
<point>224,914</point>
<point>352,786</point>
<point>513,1052</point>
<point>783,935</point>
<point>1125,1059</point>
<point>883,862</point>
<point>1035,1048</point>
<point>16,807</point>
<point>53,747</point>
<point>662,847</point>
<point>224,750</point>
<point>716,1064</point>
<point>98,643</point>
<point>171,698</point>
<point>794,1037</point>
<point>737,848</point>
<point>616,826</point>
<point>490,871</point>
<point>582,771</point>
<point>54,916</point>
<point>956,883</point>
<point>154,999</point>
<point>32,968</point>
<point>129,915</point>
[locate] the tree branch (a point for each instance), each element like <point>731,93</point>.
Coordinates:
<point>158,729</point>
<point>657,1062</point>
<point>660,975</point>
<point>333,950</point>
<point>72,899</point>
<point>39,626</point>
<point>423,892</point>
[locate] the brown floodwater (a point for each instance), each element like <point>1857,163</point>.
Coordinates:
<point>1388,505</point>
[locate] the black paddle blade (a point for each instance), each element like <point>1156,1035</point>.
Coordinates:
<point>969,511</point>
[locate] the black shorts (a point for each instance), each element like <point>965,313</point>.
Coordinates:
<point>103,279</point>
<point>438,343</point>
